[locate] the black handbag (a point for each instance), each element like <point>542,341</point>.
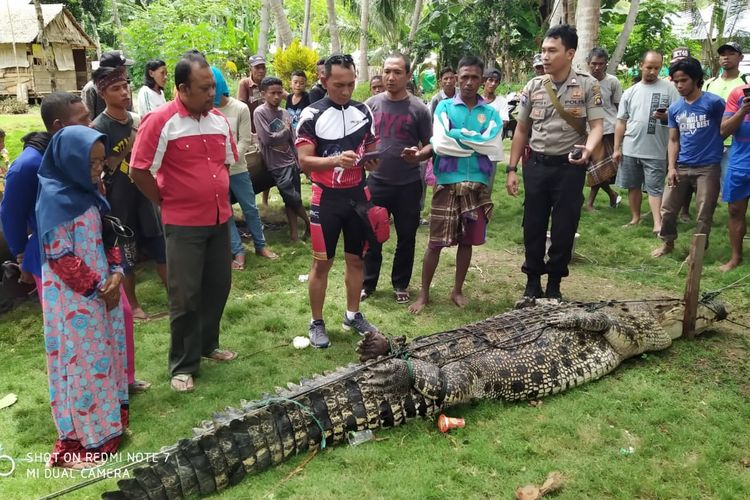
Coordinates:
<point>114,232</point>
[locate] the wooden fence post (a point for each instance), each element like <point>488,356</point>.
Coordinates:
<point>693,285</point>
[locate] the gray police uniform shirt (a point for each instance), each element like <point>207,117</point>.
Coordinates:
<point>580,95</point>
<point>645,136</point>
<point>611,96</point>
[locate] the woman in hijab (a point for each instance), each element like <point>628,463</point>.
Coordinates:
<point>84,332</point>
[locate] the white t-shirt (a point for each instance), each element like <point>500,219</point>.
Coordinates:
<point>646,137</point>
<point>148,100</point>
<point>501,105</point>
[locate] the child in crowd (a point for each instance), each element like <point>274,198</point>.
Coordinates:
<point>299,99</point>
<point>276,137</point>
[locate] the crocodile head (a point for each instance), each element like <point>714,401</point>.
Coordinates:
<point>653,324</point>
<point>670,316</point>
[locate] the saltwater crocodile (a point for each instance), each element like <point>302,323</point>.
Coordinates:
<point>522,354</point>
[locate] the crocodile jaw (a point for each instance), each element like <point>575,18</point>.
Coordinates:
<point>706,316</point>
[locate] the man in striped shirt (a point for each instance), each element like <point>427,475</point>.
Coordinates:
<point>333,135</point>
<point>189,146</point>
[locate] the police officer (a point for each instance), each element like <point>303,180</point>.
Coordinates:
<point>554,175</point>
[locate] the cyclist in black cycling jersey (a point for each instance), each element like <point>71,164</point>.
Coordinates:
<point>333,134</point>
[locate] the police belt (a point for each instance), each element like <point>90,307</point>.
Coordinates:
<point>549,159</point>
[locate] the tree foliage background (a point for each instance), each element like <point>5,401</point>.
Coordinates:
<point>504,33</point>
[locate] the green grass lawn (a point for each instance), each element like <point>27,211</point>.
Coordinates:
<point>16,126</point>
<point>685,411</point>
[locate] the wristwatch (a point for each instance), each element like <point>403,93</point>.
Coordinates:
<point>510,169</point>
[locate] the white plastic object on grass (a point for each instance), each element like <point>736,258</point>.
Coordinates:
<point>300,342</point>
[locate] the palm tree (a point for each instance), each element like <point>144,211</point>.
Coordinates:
<point>387,21</point>
<point>117,22</point>
<point>264,27</point>
<point>306,24</point>
<point>333,27</point>
<point>721,25</point>
<point>364,8</point>
<point>622,39</point>
<point>588,17</point>
<point>283,30</point>
<point>418,4</point>
<point>48,63</point>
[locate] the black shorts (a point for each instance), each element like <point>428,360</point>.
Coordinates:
<point>288,181</point>
<point>331,212</point>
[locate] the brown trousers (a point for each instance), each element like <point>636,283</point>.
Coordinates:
<point>705,182</point>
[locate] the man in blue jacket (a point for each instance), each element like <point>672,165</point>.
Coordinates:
<point>59,109</point>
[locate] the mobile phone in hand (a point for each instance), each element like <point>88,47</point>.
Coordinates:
<point>576,154</point>
<point>661,110</point>
<point>746,91</point>
<point>372,155</point>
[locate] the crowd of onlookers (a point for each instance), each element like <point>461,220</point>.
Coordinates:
<point>114,180</point>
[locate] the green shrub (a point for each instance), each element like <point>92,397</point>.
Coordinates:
<point>296,57</point>
<point>11,106</point>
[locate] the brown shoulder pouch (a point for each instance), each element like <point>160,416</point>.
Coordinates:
<point>601,167</point>
<point>572,121</point>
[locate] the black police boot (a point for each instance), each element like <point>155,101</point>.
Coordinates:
<point>553,288</point>
<point>533,287</point>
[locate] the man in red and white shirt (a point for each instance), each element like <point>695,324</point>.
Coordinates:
<point>188,145</point>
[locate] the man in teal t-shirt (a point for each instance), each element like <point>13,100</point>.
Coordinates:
<point>465,133</point>
<point>730,56</point>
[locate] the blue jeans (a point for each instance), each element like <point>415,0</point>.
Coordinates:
<point>242,189</point>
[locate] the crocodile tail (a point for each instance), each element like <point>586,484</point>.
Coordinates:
<point>260,434</point>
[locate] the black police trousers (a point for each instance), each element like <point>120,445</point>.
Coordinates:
<point>553,187</point>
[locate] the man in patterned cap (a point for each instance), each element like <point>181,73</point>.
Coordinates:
<point>91,98</point>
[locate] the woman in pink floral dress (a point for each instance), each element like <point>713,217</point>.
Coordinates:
<point>83,323</point>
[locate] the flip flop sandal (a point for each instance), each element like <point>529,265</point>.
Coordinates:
<point>221,355</point>
<point>139,317</point>
<point>365,294</point>
<point>237,266</point>
<point>182,378</point>
<point>402,296</point>
<point>138,387</point>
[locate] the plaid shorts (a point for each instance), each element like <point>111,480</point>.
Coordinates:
<point>459,214</point>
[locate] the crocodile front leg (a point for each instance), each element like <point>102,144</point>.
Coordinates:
<point>597,321</point>
<point>375,344</point>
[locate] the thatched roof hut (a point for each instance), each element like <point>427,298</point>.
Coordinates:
<point>21,57</point>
